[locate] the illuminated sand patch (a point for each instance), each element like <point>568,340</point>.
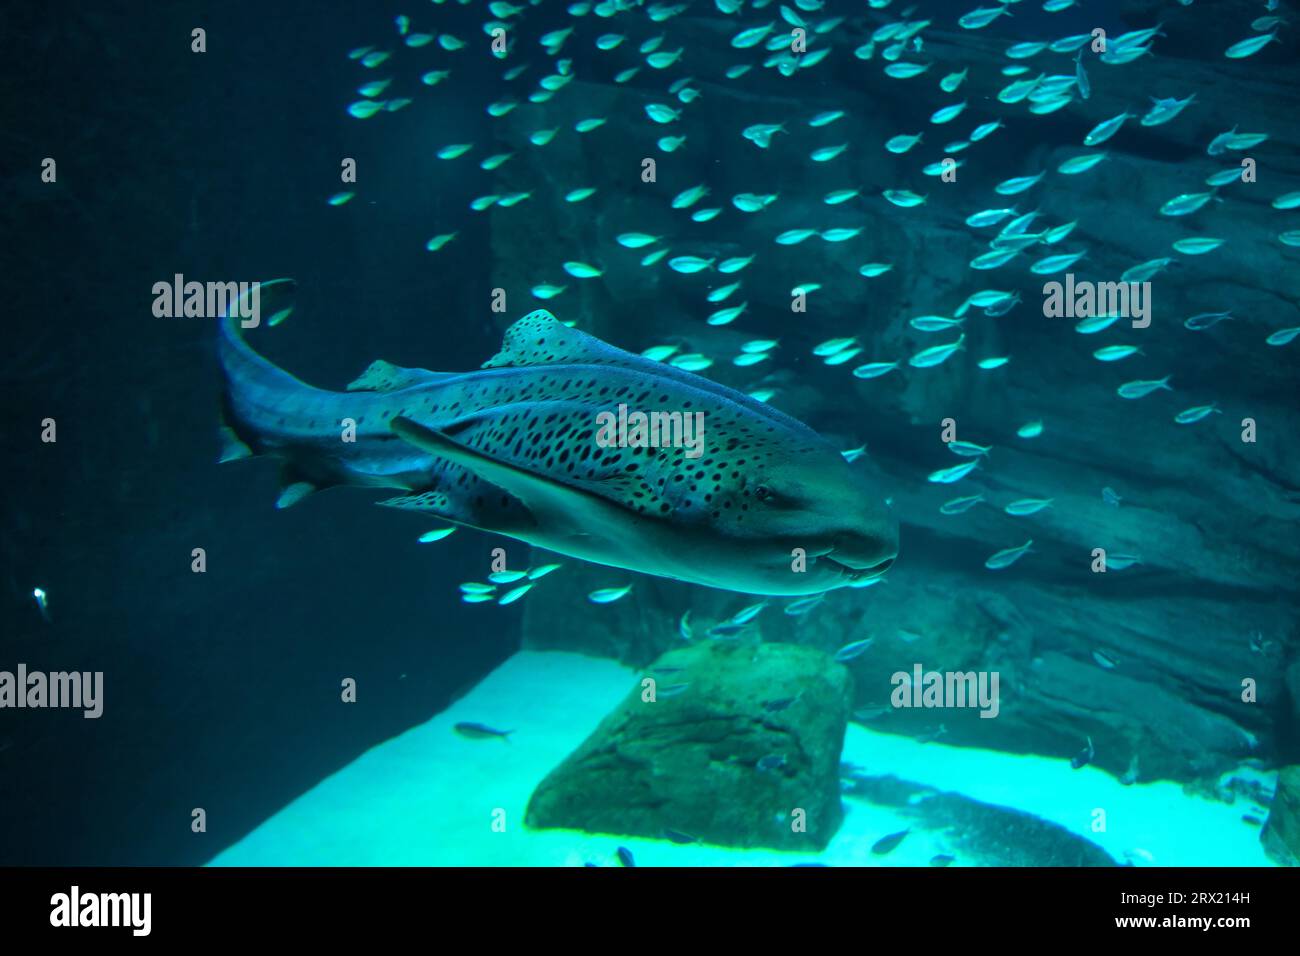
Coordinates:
<point>427,797</point>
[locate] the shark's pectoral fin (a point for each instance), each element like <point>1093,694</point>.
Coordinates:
<point>383,376</point>
<point>290,495</point>
<point>551,502</point>
<point>233,448</point>
<point>294,487</point>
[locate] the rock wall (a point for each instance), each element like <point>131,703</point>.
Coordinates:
<point>1214,519</point>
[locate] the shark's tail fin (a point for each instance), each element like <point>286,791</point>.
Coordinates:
<point>274,298</point>
<point>243,369</point>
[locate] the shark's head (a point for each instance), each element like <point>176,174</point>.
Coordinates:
<point>814,524</point>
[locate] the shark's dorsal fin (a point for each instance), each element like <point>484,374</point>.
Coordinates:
<point>539,338</point>
<point>384,376</point>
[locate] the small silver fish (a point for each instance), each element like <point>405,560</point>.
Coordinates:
<point>746,615</point>
<point>776,706</point>
<point>475,731</point>
<point>869,713</point>
<point>582,270</point>
<point>888,843</point>
<point>689,197</point>
<point>948,476</point>
<point>936,354</point>
<point>874,370</point>
<point>725,631</point>
<point>770,762</point>
<point>1130,776</point>
<point>853,649</point>
<point>1028,506</point>
<point>608,595</point>
<point>1185,204</point>
<point>933,735</point>
<point>960,505</point>
<point>1142,388</point>
<point>1084,756</point>
<point>803,605</point>
<point>514,594</point>
<point>1030,430</point>
<point>1106,129</point>
<point>1259,644</point>
<point>1205,320</point>
<point>1191,415</point>
<point>1008,557</point>
<point>42,603</point>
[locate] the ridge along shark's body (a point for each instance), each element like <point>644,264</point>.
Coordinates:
<point>513,449</point>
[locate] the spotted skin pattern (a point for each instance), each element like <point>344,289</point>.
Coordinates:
<point>533,410</point>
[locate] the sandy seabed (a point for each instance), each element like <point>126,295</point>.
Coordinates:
<point>429,796</point>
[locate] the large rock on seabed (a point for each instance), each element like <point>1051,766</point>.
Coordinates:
<point>1281,834</point>
<point>740,747</point>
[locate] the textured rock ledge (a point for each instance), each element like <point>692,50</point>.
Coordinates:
<point>739,739</point>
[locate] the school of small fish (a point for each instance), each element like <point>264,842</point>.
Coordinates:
<point>624,45</point>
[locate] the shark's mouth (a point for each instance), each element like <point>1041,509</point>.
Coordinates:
<point>858,574</point>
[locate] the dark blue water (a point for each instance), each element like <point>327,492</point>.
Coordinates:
<point>222,688</point>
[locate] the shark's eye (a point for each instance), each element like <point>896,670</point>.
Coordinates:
<point>763,493</point>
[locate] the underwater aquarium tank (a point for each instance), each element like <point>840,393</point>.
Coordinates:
<point>718,433</point>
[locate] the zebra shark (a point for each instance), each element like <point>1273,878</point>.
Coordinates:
<point>766,506</point>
